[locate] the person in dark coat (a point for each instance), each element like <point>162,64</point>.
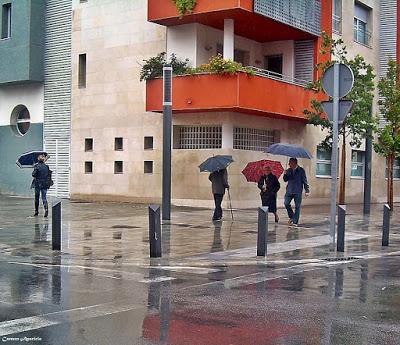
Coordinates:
<point>296,180</point>
<point>219,182</point>
<point>41,174</point>
<point>269,186</point>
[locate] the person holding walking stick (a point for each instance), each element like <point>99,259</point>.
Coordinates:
<point>219,183</point>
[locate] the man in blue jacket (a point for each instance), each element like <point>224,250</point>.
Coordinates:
<point>296,180</point>
<point>41,174</point>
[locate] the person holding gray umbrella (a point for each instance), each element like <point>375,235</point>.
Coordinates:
<point>41,182</point>
<point>217,165</point>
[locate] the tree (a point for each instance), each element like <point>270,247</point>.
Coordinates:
<point>359,124</point>
<point>388,138</point>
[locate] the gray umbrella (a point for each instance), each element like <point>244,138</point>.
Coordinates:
<point>216,163</point>
<point>289,150</point>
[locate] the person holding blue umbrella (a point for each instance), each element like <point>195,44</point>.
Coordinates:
<point>41,182</point>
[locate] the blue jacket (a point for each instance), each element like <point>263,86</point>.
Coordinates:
<point>40,176</point>
<point>296,179</point>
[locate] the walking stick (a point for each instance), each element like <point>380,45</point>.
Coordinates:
<point>230,203</point>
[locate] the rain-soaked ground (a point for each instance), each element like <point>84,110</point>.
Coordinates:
<point>208,289</point>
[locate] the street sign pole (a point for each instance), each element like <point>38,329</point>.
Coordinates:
<point>167,134</point>
<point>334,159</point>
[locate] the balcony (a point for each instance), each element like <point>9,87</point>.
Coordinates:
<point>254,19</point>
<point>264,94</point>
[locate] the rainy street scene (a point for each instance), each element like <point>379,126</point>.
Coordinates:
<point>200,172</point>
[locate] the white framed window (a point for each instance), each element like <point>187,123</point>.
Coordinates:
<point>361,16</point>
<point>357,163</point>
<point>324,163</point>
<point>337,17</point>
<point>253,139</point>
<point>197,137</point>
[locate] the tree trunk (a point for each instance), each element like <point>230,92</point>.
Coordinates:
<point>342,186</point>
<point>390,164</point>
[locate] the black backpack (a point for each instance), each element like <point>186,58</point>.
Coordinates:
<point>50,181</point>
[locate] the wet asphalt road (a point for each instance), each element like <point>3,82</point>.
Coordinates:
<point>209,287</point>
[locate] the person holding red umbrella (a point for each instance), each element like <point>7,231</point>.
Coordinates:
<point>269,186</point>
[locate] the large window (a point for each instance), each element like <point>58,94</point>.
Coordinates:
<point>197,137</point>
<point>361,17</point>
<point>324,164</point>
<point>357,163</point>
<point>6,21</point>
<point>254,139</point>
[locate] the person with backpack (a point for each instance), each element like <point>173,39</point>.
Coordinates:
<point>41,182</point>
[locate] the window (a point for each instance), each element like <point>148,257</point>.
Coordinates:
<point>197,137</point>
<point>148,167</point>
<point>88,167</point>
<point>396,169</point>
<point>119,144</point>
<point>6,21</point>
<point>253,139</point>
<point>20,120</point>
<point>82,71</point>
<point>88,144</point>
<point>324,164</point>
<point>274,63</point>
<point>361,16</point>
<point>118,167</point>
<point>357,163</point>
<point>148,143</point>
<point>337,17</point>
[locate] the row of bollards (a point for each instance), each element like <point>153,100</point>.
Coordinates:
<point>386,225</point>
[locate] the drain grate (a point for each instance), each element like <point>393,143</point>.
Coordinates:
<point>346,258</point>
<point>125,227</point>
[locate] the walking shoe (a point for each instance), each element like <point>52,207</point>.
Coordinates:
<point>295,225</point>
<point>36,213</point>
<point>46,213</point>
<point>290,222</point>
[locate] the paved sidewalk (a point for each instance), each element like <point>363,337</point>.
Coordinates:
<point>209,287</point>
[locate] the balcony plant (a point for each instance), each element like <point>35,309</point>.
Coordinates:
<point>153,67</point>
<point>185,6</point>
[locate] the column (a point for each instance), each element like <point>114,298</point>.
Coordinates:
<point>229,38</point>
<point>227,136</point>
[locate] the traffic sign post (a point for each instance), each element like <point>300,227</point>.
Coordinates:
<point>337,82</point>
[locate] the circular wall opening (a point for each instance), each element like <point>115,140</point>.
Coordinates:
<point>20,120</point>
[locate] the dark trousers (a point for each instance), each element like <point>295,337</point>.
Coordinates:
<point>39,191</point>
<point>294,216</point>
<point>218,209</point>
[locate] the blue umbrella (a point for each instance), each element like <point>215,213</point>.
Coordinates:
<point>29,159</point>
<point>216,163</point>
<point>288,150</point>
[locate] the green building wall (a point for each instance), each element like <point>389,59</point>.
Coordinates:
<point>14,180</point>
<point>22,55</point>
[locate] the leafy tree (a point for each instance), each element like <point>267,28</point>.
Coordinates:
<point>153,67</point>
<point>388,138</point>
<point>359,124</point>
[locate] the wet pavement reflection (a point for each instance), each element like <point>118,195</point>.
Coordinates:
<point>209,287</point>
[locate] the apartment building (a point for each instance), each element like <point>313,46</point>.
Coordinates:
<point>117,120</point>
<point>35,74</point>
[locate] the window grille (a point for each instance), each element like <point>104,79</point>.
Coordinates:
<point>200,137</point>
<point>253,139</point>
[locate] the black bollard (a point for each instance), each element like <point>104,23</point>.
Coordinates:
<point>341,227</point>
<point>386,225</point>
<point>56,226</point>
<point>155,231</point>
<point>262,235</point>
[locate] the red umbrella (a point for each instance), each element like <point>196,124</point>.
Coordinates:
<point>254,170</point>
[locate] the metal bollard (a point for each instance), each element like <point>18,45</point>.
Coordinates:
<point>341,227</point>
<point>56,226</point>
<point>262,235</point>
<point>155,231</point>
<point>386,225</point>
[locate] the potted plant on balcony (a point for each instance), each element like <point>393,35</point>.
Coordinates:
<point>185,6</point>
